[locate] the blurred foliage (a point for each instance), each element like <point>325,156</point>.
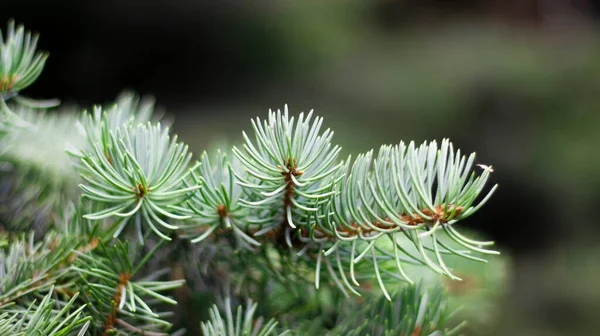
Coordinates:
<point>37,175</point>
<point>555,295</point>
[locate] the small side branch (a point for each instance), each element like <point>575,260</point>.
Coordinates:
<point>279,233</point>
<point>111,318</point>
<point>414,219</point>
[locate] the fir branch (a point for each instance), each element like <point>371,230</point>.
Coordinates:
<point>299,214</point>
<point>103,275</point>
<point>20,66</point>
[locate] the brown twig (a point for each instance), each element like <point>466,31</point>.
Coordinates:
<point>140,190</point>
<point>86,248</point>
<point>7,82</point>
<point>111,317</point>
<point>418,331</point>
<point>441,214</point>
<point>278,234</point>
<point>222,211</point>
<point>415,219</point>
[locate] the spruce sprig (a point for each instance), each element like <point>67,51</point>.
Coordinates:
<point>20,64</point>
<point>28,267</point>
<point>291,170</point>
<point>119,300</point>
<point>418,193</point>
<point>215,205</point>
<point>137,174</point>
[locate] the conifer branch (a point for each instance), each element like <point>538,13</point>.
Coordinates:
<point>297,196</point>
<point>291,213</point>
<point>107,280</point>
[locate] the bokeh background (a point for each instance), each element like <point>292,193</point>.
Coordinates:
<point>517,81</point>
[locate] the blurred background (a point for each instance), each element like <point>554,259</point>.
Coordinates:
<point>517,81</point>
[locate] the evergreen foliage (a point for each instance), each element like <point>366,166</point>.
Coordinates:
<point>243,323</point>
<point>21,65</point>
<point>411,311</point>
<point>106,219</point>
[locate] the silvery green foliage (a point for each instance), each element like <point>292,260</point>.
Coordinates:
<point>291,170</point>
<point>27,267</point>
<point>104,282</point>
<point>137,174</point>
<point>298,212</point>
<point>46,318</point>
<point>215,204</point>
<point>20,64</point>
<point>37,174</point>
<point>394,208</point>
<point>413,310</point>
<point>242,323</point>
<point>29,138</point>
<point>9,122</point>
<point>117,296</point>
<point>128,109</point>
<point>410,195</point>
<point>42,143</point>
